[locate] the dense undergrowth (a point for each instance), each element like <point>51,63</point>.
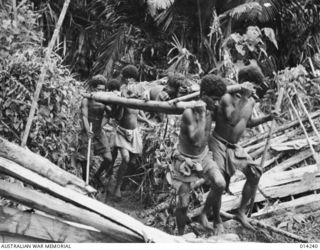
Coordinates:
<point>55,125</point>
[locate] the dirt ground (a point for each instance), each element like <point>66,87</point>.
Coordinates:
<point>307,226</point>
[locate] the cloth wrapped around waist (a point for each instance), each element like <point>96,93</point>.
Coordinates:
<point>188,168</point>
<point>129,139</point>
<point>126,133</point>
<point>229,156</point>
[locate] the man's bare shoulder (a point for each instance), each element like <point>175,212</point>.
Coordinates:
<point>187,116</point>
<point>226,99</point>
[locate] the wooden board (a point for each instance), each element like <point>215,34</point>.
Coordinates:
<point>304,205</point>
<point>66,211</point>
<point>275,185</point>
<point>107,212</point>
<point>295,159</point>
<point>26,224</point>
<point>281,128</point>
<point>42,166</point>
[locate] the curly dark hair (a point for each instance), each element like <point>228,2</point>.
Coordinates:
<point>97,80</point>
<point>113,84</point>
<point>176,80</point>
<point>253,74</point>
<point>213,85</point>
<point>130,71</point>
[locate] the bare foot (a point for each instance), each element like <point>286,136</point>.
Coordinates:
<point>218,229</point>
<point>205,223</point>
<point>243,219</point>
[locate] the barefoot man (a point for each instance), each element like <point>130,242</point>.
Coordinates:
<point>232,118</point>
<point>128,139</point>
<point>192,159</point>
<point>93,112</point>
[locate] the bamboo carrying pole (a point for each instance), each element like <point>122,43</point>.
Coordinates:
<point>88,155</point>
<point>43,73</point>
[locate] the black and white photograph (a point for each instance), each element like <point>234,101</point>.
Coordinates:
<point>159,121</point>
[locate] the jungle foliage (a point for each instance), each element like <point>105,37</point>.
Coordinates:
<point>54,127</point>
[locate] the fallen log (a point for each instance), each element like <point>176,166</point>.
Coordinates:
<point>26,224</point>
<point>61,209</point>
<point>174,106</point>
<point>42,166</point>
<point>279,129</point>
<point>73,197</point>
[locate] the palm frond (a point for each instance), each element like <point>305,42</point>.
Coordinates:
<point>270,10</point>
<point>110,51</point>
<point>157,5</point>
<point>247,10</point>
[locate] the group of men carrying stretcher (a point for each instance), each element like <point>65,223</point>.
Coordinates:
<point>199,153</point>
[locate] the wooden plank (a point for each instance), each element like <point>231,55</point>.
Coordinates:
<point>274,140</point>
<point>301,156</point>
<point>67,211</point>
<point>13,169</point>
<point>42,166</point>
<point>275,185</point>
<point>297,144</point>
<point>279,129</point>
<point>16,238</point>
<point>304,205</point>
<point>26,224</point>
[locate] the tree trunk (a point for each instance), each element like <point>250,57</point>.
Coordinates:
<point>151,106</point>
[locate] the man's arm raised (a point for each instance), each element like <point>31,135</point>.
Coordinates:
<point>231,112</point>
<point>253,122</point>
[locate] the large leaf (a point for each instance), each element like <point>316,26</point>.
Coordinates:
<point>270,34</point>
